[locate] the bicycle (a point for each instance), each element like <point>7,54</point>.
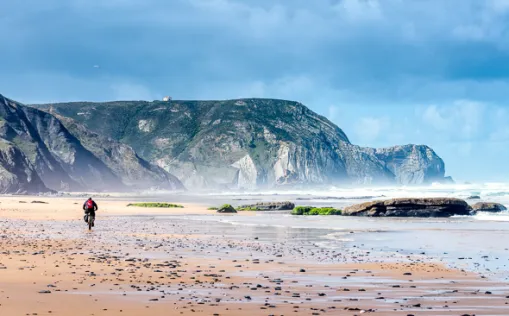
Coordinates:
<point>89,219</point>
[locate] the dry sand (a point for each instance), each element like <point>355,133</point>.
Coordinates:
<point>31,208</point>
<point>51,265</point>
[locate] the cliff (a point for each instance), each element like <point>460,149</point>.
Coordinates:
<point>16,173</point>
<point>250,144</point>
<point>58,156</point>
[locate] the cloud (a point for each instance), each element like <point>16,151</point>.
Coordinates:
<point>359,10</point>
<point>498,6</point>
<point>499,132</point>
<point>333,112</point>
<point>341,45</point>
<point>433,116</point>
<point>369,129</point>
<point>132,91</point>
<point>471,113</point>
<point>464,148</point>
<point>462,119</point>
<point>499,135</point>
<point>379,62</point>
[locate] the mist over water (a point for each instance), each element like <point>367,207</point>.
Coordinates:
<point>433,190</point>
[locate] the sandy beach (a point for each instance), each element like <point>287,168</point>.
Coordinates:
<point>171,262</point>
<point>254,157</point>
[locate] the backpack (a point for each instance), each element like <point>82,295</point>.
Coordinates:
<point>90,204</point>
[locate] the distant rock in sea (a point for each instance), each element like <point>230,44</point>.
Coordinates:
<point>410,207</point>
<point>268,206</point>
<point>488,207</point>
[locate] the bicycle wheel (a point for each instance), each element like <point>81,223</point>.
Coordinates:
<point>90,222</point>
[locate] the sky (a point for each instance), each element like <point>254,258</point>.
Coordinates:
<point>387,72</point>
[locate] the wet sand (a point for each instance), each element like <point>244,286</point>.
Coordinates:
<point>131,265</point>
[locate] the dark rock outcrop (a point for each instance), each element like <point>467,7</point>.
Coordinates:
<point>250,144</point>
<point>410,207</point>
<point>268,206</point>
<point>227,209</point>
<point>488,207</point>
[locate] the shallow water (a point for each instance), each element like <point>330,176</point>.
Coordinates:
<point>465,242</point>
<point>476,243</point>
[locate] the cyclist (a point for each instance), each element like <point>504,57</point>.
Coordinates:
<point>90,207</point>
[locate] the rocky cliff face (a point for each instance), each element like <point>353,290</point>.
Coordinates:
<point>17,175</point>
<point>250,144</point>
<point>122,160</point>
<point>57,156</point>
<point>409,164</point>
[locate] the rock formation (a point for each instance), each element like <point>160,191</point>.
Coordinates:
<point>268,206</point>
<point>488,207</point>
<point>17,175</point>
<point>410,207</point>
<point>122,160</point>
<point>227,208</point>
